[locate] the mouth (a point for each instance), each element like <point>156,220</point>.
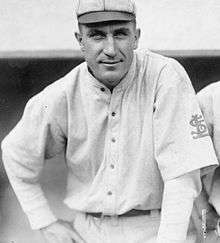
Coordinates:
<point>110,62</point>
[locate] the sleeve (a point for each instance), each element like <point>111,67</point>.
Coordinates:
<point>179,195</point>
<point>206,105</point>
<point>35,138</point>
<point>182,142</point>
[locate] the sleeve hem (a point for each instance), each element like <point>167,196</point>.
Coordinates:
<point>204,169</point>
<point>41,217</point>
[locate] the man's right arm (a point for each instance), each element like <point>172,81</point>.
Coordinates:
<point>35,138</point>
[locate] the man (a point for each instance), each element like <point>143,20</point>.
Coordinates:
<point>209,200</point>
<point>129,124</point>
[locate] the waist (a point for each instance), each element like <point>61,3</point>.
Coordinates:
<point>131,213</point>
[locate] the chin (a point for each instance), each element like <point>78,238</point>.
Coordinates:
<point>111,81</point>
<point>112,78</point>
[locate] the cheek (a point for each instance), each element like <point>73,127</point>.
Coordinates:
<point>128,52</point>
<point>127,47</point>
<point>91,52</point>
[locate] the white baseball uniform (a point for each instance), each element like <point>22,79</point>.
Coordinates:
<point>120,147</point>
<point>209,100</point>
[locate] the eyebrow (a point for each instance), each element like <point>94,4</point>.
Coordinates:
<point>95,31</point>
<point>123,29</point>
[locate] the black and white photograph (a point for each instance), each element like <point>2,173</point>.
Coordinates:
<point>109,121</point>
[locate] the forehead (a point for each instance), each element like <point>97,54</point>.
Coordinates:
<point>108,26</point>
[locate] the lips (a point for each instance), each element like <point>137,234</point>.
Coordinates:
<point>110,62</point>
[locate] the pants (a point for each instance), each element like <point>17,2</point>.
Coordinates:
<point>138,229</point>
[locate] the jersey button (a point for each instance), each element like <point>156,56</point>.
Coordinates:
<point>113,113</point>
<point>112,166</point>
<point>113,140</point>
<point>102,89</point>
<point>109,193</point>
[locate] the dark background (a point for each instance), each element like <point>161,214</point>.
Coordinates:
<point>22,78</point>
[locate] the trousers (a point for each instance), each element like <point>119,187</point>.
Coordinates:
<point>137,229</point>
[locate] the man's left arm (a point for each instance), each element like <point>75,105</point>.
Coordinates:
<point>179,195</point>
<point>183,150</point>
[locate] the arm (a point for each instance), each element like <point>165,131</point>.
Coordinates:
<point>24,151</point>
<point>208,198</point>
<point>178,197</point>
<point>181,147</point>
<point>38,136</point>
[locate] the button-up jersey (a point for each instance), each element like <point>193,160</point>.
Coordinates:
<point>209,100</point>
<point>119,146</point>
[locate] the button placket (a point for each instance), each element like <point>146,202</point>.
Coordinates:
<point>111,185</point>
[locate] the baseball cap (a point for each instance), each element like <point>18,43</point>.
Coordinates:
<point>94,11</point>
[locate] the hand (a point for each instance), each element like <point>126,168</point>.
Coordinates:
<point>211,219</point>
<point>211,238</point>
<point>61,232</point>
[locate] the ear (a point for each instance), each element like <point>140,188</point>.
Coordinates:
<point>79,39</point>
<point>137,37</point>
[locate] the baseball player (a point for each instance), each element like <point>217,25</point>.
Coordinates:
<point>133,136</point>
<point>209,200</point>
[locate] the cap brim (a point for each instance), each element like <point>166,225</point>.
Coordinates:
<point>104,16</point>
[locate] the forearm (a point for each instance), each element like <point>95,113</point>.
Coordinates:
<point>178,198</point>
<point>203,209</point>
<point>28,192</point>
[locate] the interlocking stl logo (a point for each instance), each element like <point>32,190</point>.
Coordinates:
<point>198,122</point>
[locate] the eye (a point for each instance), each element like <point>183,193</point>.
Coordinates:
<point>121,34</point>
<point>96,35</point>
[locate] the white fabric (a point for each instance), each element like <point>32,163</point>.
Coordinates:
<point>209,100</point>
<point>86,6</point>
<point>115,163</point>
<point>178,198</point>
<point>140,229</point>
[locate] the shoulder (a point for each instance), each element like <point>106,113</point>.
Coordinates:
<point>62,86</point>
<point>156,59</point>
<point>209,98</point>
<point>55,94</point>
<point>211,90</point>
<point>161,67</point>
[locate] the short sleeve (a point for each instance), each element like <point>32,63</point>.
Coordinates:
<point>181,139</point>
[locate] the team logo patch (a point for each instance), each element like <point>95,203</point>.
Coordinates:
<point>198,122</point>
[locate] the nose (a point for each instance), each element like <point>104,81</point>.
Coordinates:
<point>109,47</point>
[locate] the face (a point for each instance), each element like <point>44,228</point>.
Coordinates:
<point>108,49</point>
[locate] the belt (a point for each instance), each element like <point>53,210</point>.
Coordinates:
<point>131,213</point>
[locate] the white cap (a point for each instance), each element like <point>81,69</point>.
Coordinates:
<point>94,11</point>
